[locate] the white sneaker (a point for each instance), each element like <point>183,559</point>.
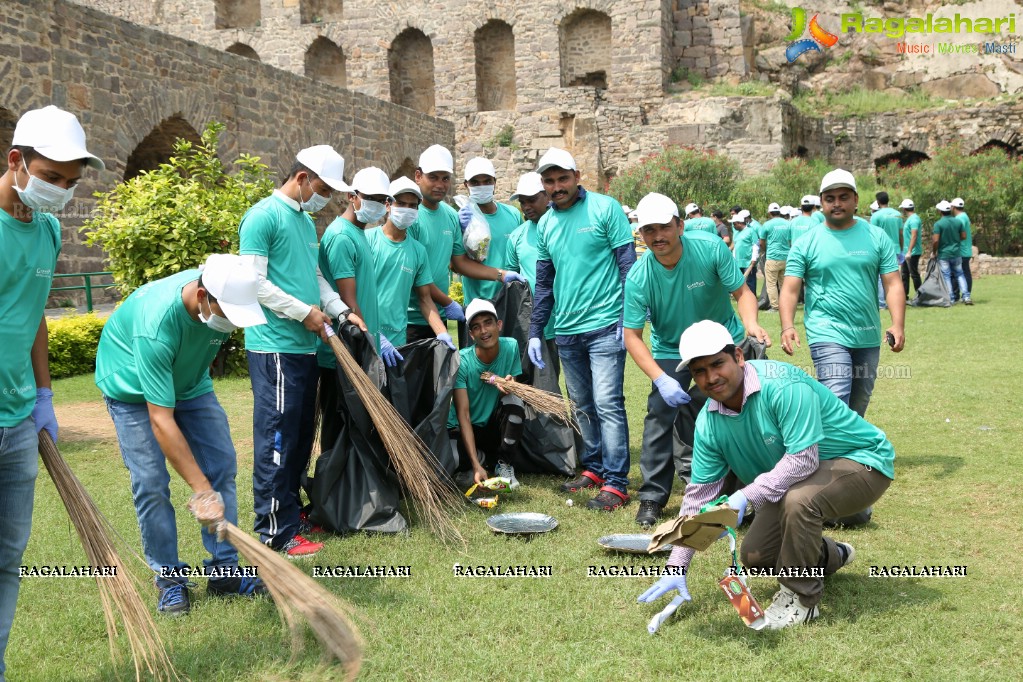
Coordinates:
<point>786,610</point>
<point>505,470</point>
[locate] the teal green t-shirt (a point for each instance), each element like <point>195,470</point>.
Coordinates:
<point>776,232</point>
<point>790,412</point>
<point>758,228</point>
<point>400,267</point>
<point>483,398</point>
<point>522,259</point>
<point>344,254</point>
<point>966,246</point>
<point>580,242</point>
<point>840,269</point>
<point>913,223</point>
<point>152,351</point>
<point>287,238</point>
<point>742,241</point>
<point>440,233</point>
<point>948,230</point>
<point>502,224</point>
<point>890,221</point>
<point>30,256</point>
<point>701,224</point>
<point>697,288</point>
<point>800,225</point>
<point>818,216</point>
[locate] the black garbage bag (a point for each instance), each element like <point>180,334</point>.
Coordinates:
<point>932,291</point>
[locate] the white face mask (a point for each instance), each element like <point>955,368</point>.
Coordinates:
<point>214,321</point>
<point>316,202</point>
<point>40,195</point>
<point>370,211</point>
<point>401,217</point>
<point>483,194</point>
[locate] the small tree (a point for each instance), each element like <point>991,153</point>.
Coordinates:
<point>682,174</point>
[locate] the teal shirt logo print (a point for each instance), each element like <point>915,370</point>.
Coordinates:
<point>819,37</point>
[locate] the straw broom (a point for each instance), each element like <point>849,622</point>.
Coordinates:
<point>413,461</point>
<point>118,595</point>
<point>557,406</point>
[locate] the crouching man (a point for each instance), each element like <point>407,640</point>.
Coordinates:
<point>152,366</point>
<point>803,456</point>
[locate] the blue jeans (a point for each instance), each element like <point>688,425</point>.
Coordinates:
<point>594,366</point>
<point>950,267</point>
<point>849,373</point>
<point>204,424</point>
<point>19,464</point>
<point>751,280</point>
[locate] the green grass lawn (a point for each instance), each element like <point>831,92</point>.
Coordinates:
<point>955,425</point>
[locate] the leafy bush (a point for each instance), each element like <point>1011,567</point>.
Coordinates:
<point>788,181</point>
<point>456,293</point>
<point>682,173</point>
<point>72,344</point>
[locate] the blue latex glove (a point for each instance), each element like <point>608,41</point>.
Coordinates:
<point>445,338</point>
<point>738,502</point>
<point>388,353</point>
<point>513,277</point>
<point>901,257</point>
<point>453,311</point>
<point>42,413</point>
<point>665,585</point>
<point>671,391</point>
<point>535,355</point>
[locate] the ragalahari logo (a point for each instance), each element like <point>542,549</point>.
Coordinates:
<point>818,36</point>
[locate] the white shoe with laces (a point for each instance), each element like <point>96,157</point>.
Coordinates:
<point>505,470</point>
<point>786,610</point>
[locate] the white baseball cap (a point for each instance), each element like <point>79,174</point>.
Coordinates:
<point>56,134</point>
<point>744,214</point>
<point>477,306</point>
<point>403,185</point>
<point>837,178</point>
<point>816,200</point>
<point>786,210</point>
<point>556,158</point>
<point>655,208</point>
<point>907,203</point>
<point>808,200</point>
<point>737,218</point>
<point>326,163</point>
<point>371,181</point>
<point>531,184</point>
<point>874,207</point>
<point>702,339</point>
<point>436,158</point>
<point>773,208</point>
<point>479,166</point>
<point>691,208</point>
<point>234,284</point>
<point>958,203</point>
<point>944,206</point>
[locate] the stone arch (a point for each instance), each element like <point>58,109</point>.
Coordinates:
<point>585,49</point>
<point>325,61</point>
<point>1010,150</point>
<point>243,50</point>
<point>410,64</point>
<point>903,157</point>
<point>320,11</point>
<point>158,146</point>
<point>7,122</point>
<point>407,169</point>
<point>236,13</point>
<point>495,66</point>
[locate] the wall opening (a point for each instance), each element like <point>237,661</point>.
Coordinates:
<point>903,157</point>
<point>320,11</point>
<point>495,66</point>
<point>243,50</point>
<point>406,169</point>
<point>158,146</point>
<point>585,49</point>
<point>410,63</point>
<point>1011,152</point>
<point>7,122</point>
<point>236,13</point>
<point>324,61</point>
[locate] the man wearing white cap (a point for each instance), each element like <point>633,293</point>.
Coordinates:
<point>152,366</point>
<point>803,220</point>
<point>44,165</point>
<point>889,220</point>
<point>585,250</point>
<point>278,239</point>
<point>946,245</point>
<point>913,240</point>
<point>966,247</point>
<point>818,215</point>
<point>696,222</point>
<point>402,268</point>
<point>480,180</point>
<point>685,277</point>
<point>744,244</point>
<point>483,416</point>
<point>840,262</point>
<point>801,456</point>
<point>774,237</point>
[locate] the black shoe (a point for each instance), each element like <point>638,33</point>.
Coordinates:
<point>584,481</point>
<point>649,512</point>
<point>244,586</point>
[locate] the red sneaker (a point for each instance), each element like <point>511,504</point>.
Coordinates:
<point>306,526</point>
<point>299,548</point>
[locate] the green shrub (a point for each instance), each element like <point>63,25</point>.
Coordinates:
<point>788,181</point>
<point>72,344</point>
<point>456,293</point>
<point>681,173</point>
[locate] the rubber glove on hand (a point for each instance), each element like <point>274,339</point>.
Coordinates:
<point>42,413</point>
<point>671,391</point>
<point>513,277</point>
<point>453,311</point>
<point>535,355</point>
<point>445,338</point>
<point>388,354</point>
<point>665,585</point>
<point>738,502</point>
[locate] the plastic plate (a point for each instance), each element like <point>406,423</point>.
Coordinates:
<point>630,543</point>
<point>522,523</point>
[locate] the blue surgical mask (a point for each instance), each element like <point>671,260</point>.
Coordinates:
<point>215,322</point>
<point>370,212</point>
<point>40,195</point>
<point>316,202</point>
<point>482,194</point>
<point>401,217</point>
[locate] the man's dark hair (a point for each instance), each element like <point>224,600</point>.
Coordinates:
<point>719,215</point>
<point>729,349</point>
<point>211,297</point>
<point>737,208</point>
<point>945,213</point>
<point>882,198</point>
<point>299,167</point>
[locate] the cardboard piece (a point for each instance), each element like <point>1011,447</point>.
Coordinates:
<point>698,531</point>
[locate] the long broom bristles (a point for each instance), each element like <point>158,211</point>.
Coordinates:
<point>294,593</point>
<point>118,595</point>
<point>415,464</point>
<point>557,406</point>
